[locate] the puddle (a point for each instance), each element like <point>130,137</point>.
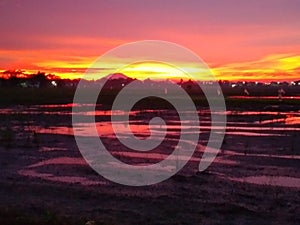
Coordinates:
<point>49,149</point>
<point>64,179</point>
<point>161,156</point>
<point>60,161</point>
<point>31,172</point>
<point>292,120</point>
<point>265,128</point>
<point>280,181</point>
<point>263,97</point>
<point>105,129</point>
<point>252,134</point>
<point>228,152</point>
<point>69,105</point>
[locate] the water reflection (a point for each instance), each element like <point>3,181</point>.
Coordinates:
<point>49,149</point>
<point>281,181</point>
<point>255,127</point>
<point>105,129</point>
<point>263,97</point>
<point>289,120</point>
<point>64,179</point>
<point>60,161</point>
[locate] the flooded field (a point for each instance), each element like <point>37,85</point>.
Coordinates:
<point>255,175</point>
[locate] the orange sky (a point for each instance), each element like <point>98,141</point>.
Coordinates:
<point>239,40</point>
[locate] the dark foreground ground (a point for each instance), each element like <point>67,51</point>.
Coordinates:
<point>44,180</point>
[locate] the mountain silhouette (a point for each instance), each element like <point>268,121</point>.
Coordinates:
<point>116,76</point>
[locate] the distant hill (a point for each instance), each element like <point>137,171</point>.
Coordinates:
<point>116,76</point>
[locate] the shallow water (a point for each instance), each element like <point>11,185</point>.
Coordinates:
<point>270,125</point>
<point>264,97</point>
<point>63,179</point>
<point>281,181</point>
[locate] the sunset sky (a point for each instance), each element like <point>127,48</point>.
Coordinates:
<point>239,40</point>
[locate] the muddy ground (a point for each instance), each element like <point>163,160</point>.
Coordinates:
<point>44,179</point>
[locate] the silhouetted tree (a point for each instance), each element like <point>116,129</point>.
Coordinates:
<point>41,78</point>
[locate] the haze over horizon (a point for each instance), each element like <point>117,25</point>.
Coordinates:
<point>239,40</point>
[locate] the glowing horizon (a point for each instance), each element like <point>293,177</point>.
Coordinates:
<point>271,68</point>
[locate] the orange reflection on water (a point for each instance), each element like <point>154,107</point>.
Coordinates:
<point>290,120</point>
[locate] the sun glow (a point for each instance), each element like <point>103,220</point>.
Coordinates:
<point>153,70</point>
<point>271,67</point>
